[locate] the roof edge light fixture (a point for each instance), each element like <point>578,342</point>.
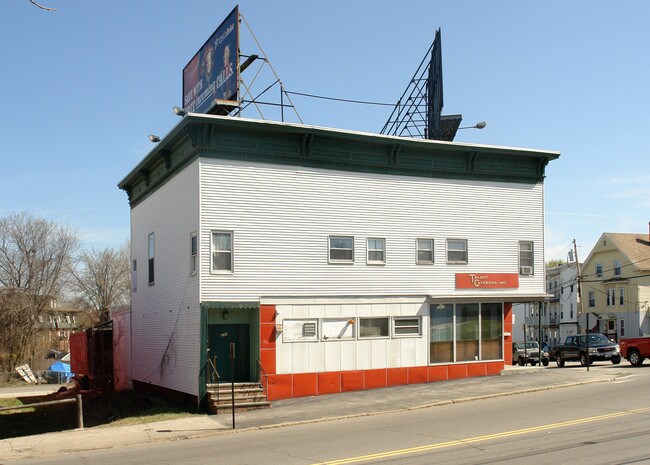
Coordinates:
<point>153,138</point>
<point>479,125</point>
<point>178,111</point>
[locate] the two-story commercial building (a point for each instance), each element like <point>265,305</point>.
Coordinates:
<point>329,260</point>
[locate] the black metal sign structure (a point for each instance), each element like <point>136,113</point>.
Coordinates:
<point>418,112</point>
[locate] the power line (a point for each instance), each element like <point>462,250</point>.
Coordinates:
<point>363,102</point>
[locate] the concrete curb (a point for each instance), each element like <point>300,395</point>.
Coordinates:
<point>107,437</point>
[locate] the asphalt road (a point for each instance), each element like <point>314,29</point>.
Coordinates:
<point>606,423</point>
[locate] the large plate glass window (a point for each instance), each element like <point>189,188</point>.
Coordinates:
<point>441,347</point>
<point>341,249</point>
<point>465,332</point>
<point>222,256</point>
<point>491,331</point>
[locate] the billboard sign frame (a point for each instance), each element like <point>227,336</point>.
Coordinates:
<point>213,72</point>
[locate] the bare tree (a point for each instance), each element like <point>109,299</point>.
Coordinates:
<point>102,280</point>
<point>36,257</point>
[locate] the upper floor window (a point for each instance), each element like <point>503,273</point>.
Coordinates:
<point>152,240</point>
<point>424,251</point>
<point>592,299</point>
<point>611,297</point>
<point>341,249</point>
<point>457,250</point>
<point>617,267</point>
<point>134,276</point>
<point>376,251</point>
<point>599,270</point>
<point>621,296</point>
<point>194,247</point>
<point>222,256</point>
<point>526,258</point>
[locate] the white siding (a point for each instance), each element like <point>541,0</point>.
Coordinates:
<point>282,216</point>
<point>166,315</point>
<point>359,354</point>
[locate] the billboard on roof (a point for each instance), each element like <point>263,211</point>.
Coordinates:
<point>211,74</point>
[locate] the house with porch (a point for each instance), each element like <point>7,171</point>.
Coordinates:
<point>616,286</point>
<point>317,260</point>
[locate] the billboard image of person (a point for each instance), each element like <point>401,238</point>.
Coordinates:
<point>211,75</point>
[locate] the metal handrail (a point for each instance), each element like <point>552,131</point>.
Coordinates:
<point>262,372</point>
<point>214,372</point>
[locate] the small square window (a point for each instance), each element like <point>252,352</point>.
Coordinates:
<point>376,251</point>
<point>457,250</point>
<point>373,327</point>
<point>341,249</point>
<point>407,326</point>
<point>424,251</point>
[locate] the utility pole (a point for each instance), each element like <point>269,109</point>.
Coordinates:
<point>579,297</point>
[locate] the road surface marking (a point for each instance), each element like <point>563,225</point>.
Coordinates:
<point>458,442</point>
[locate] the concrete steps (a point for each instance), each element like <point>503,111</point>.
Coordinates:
<point>248,396</point>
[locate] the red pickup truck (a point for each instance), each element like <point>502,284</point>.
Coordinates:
<point>635,349</point>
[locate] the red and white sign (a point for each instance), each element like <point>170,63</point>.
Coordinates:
<point>487,281</point>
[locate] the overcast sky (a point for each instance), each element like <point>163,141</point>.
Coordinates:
<point>84,85</point>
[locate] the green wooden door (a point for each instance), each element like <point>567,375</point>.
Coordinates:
<point>219,340</point>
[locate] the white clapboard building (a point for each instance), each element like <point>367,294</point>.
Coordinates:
<point>329,260</point>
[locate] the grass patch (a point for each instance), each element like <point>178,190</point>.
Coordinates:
<point>124,408</point>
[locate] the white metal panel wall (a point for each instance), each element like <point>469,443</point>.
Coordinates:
<point>358,354</point>
<point>166,315</point>
<point>282,216</point>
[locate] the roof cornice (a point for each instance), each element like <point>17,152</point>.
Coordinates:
<point>224,137</point>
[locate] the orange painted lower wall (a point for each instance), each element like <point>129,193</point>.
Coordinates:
<point>313,384</point>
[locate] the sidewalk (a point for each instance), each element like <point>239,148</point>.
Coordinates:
<point>514,380</point>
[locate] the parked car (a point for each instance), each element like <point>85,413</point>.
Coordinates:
<point>635,349</point>
<point>578,348</point>
<point>528,352</point>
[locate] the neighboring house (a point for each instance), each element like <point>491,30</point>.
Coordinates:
<point>330,260</point>
<point>60,322</point>
<point>616,286</point>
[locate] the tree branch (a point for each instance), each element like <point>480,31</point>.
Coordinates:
<point>41,6</point>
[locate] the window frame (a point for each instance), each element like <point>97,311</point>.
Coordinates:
<point>591,298</point>
<point>465,261</point>
<point>194,252</point>
<point>151,255</point>
<point>369,250</point>
<point>231,251</point>
<point>394,328</point>
<point>380,336</point>
<point>418,261</point>
<point>599,270</point>
<point>523,261</point>
<point>617,268</point>
<point>330,249</point>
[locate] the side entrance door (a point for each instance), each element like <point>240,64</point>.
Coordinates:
<point>219,339</point>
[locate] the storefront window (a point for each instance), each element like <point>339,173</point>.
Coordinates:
<point>491,331</point>
<point>455,331</point>
<point>466,332</point>
<point>442,334</point>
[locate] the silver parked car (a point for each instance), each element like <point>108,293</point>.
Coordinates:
<point>528,352</point>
